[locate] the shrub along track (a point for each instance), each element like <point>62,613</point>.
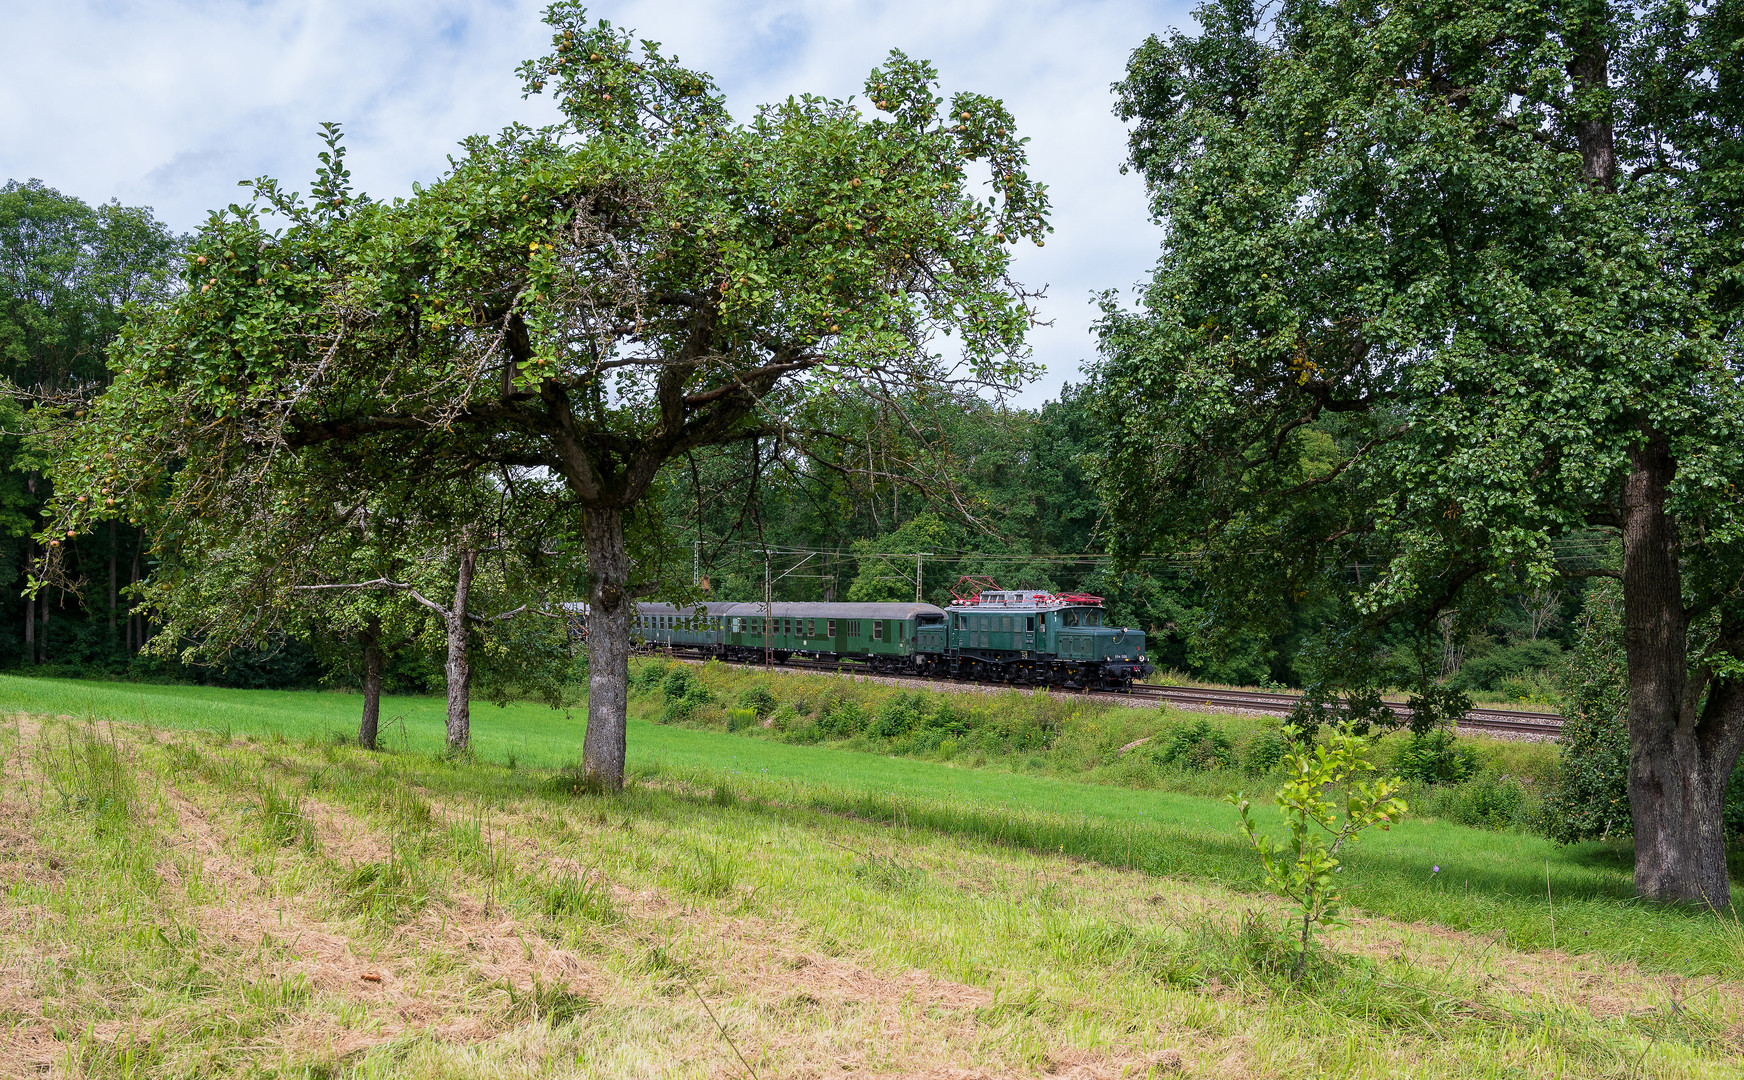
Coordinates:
<point>1501,723</point>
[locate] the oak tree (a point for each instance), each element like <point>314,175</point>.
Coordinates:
<point>1451,294</point>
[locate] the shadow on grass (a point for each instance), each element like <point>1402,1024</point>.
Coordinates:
<point>1590,908</point>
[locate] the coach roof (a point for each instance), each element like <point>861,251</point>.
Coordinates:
<point>780,610</point>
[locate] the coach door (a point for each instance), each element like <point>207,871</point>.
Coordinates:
<point>1029,632</point>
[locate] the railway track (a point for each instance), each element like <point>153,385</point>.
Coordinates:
<point>1505,722</point>
<point>1272,703</point>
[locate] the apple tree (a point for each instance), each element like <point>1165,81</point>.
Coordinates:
<point>589,301</point>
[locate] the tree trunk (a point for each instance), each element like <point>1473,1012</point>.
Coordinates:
<point>42,631</point>
<point>459,666</point>
<point>372,681</point>
<point>1679,760</point>
<point>136,623</point>
<point>608,646</point>
<point>29,604</point>
<point>114,559</point>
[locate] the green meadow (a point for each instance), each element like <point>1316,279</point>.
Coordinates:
<point>1527,892</point>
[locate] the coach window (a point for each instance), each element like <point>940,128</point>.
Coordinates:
<point>830,628</point>
<point>877,629</point>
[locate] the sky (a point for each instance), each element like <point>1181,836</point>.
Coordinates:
<point>168,103</point>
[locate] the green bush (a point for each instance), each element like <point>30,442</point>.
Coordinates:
<point>1483,802</point>
<point>1488,670</point>
<point>899,715</point>
<point>841,718</point>
<point>759,700</point>
<point>1197,745</point>
<point>1590,799</point>
<point>679,682</point>
<point>1540,686</point>
<point>739,719</point>
<point>1264,751</point>
<point>1436,757</point>
<point>684,694</point>
<point>649,676</point>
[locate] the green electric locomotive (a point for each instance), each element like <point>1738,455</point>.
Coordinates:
<point>1038,639</point>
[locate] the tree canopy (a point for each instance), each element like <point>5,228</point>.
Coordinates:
<point>598,298</point>
<point>1448,306</point>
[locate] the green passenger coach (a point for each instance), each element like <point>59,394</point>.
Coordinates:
<point>884,636</point>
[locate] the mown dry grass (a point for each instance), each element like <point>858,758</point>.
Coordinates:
<point>177,905</point>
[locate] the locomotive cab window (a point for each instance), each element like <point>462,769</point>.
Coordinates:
<point>1029,625</point>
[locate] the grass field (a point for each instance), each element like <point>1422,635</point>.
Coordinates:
<point>204,899</point>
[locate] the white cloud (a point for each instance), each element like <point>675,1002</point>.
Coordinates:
<point>170,103</point>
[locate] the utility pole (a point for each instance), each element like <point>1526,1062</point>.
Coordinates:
<point>768,615</point>
<point>696,561</point>
<point>917,558</point>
